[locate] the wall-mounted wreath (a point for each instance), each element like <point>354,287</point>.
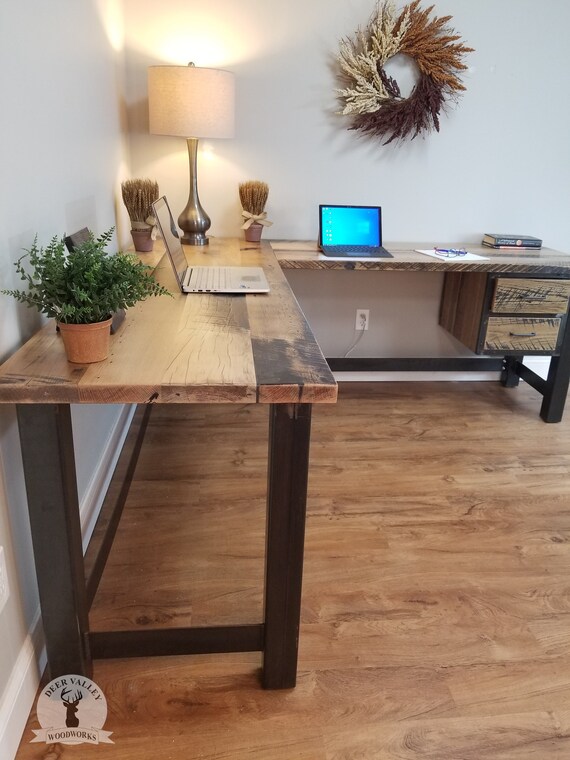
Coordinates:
<point>373,99</point>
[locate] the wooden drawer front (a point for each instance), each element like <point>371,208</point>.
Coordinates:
<point>531,296</point>
<point>524,335</point>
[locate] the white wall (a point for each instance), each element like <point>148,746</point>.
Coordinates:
<point>500,162</point>
<point>62,156</point>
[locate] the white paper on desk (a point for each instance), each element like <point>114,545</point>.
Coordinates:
<point>444,257</point>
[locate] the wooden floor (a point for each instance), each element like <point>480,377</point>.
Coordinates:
<point>436,602</point>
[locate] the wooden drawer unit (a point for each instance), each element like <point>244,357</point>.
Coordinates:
<point>530,296</point>
<point>522,335</point>
<point>502,315</point>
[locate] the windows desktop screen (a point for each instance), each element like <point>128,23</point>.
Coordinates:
<point>350,225</point>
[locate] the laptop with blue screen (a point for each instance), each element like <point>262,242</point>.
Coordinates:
<point>351,232</point>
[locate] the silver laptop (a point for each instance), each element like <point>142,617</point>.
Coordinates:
<point>351,232</point>
<point>199,279</point>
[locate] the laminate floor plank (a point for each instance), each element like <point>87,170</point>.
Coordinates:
<point>436,590</point>
<point>523,736</point>
<point>497,689</point>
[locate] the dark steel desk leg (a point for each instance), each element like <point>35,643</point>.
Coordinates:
<point>509,377</point>
<point>554,399</point>
<point>557,381</point>
<point>289,439</point>
<point>49,467</point>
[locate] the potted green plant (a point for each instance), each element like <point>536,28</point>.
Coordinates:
<point>81,289</point>
<point>138,197</point>
<point>253,196</point>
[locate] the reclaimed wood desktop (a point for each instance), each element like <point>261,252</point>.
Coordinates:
<point>513,305</point>
<point>188,349</point>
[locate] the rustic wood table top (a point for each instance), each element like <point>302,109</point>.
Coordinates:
<point>295,254</point>
<point>188,348</point>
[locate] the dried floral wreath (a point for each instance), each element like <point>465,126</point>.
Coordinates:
<point>373,98</point>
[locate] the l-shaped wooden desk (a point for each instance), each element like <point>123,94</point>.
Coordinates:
<point>511,305</point>
<point>244,350</point>
<point>197,349</point>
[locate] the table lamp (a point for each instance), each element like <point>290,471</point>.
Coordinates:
<point>191,102</point>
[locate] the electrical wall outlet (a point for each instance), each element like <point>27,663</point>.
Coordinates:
<point>4,589</point>
<point>362,319</point>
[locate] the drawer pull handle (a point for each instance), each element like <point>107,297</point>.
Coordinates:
<point>535,298</point>
<point>523,335</point>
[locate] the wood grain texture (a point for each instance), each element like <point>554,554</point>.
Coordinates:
<point>435,596</point>
<point>188,348</point>
<point>462,305</point>
<point>530,296</point>
<point>522,334</point>
<point>296,255</point>
<point>502,315</point>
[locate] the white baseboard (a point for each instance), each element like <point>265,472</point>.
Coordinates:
<point>95,493</point>
<point>20,692</point>
<point>412,377</point>
<point>538,364</point>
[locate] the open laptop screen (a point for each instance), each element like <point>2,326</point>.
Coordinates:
<point>350,225</point>
<point>170,235</point>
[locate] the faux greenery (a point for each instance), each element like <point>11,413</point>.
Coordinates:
<point>85,285</point>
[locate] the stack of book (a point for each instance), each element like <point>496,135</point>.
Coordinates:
<point>493,240</point>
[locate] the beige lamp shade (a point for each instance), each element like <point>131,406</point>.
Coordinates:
<point>189,101</point>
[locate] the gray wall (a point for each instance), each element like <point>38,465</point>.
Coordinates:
<point>61,157</point>
<point>500,162</point>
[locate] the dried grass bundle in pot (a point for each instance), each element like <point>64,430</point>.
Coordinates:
<point>253,196</point>
<point>138,197</point>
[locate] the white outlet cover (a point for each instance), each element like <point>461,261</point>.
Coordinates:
<point>4,588</point>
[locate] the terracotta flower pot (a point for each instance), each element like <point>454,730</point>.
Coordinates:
<point>86,344</point>
<point>142,240</point>
<point>253,233</point>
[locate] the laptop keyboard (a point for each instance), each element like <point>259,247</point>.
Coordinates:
<point>352,248</point>
<point>211,278</point>
<point>355,250</point>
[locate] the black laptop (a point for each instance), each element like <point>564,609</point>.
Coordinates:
<point>351,232</point>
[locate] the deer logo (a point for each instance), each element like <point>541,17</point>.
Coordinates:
<point>71,719</point>
<point>84,720</point>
